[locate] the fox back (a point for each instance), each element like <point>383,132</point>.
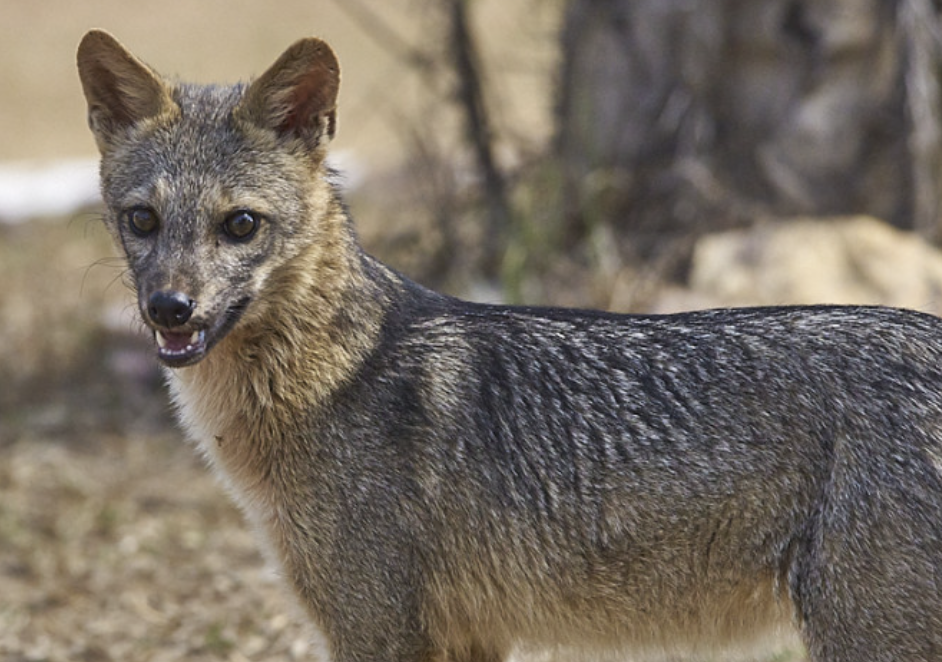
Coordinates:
<point>438,479</point>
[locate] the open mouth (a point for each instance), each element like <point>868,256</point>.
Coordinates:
<point>178,349</point>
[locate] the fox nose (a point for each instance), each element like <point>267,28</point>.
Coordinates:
<point>169,308</point>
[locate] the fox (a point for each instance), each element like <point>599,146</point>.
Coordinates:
<point>437,479</point>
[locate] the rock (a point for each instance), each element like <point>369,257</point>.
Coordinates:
<point>856,260</point>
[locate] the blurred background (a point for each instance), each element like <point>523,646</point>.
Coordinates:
<point>633,155</point>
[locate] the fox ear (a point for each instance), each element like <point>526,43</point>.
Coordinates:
<point>120,89</point>
<point>297,96</point>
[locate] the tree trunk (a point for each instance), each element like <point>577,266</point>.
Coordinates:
<point>470,95</point>
<point>681,116</point>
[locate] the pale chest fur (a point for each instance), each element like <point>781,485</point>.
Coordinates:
<point>233,429</point>
<point>209,414</point>
<point>209,411</point>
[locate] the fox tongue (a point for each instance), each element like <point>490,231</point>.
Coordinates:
<point>176,342</point>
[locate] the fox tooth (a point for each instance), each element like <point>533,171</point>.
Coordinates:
<point>195,338</point>
<point>161,341</point>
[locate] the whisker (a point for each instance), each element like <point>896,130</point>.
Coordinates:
<point>107,262</point>
<point>93,220</point>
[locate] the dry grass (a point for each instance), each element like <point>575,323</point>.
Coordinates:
<point>124,549</point>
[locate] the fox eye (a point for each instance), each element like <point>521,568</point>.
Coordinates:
<point>142,220</point>
<point>241,225</point>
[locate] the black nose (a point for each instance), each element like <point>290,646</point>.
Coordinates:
<point>170,309</point>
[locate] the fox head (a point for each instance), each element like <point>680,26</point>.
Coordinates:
<point>209,190</point>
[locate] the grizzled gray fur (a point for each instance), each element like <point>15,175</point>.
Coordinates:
<point>442,480</point>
